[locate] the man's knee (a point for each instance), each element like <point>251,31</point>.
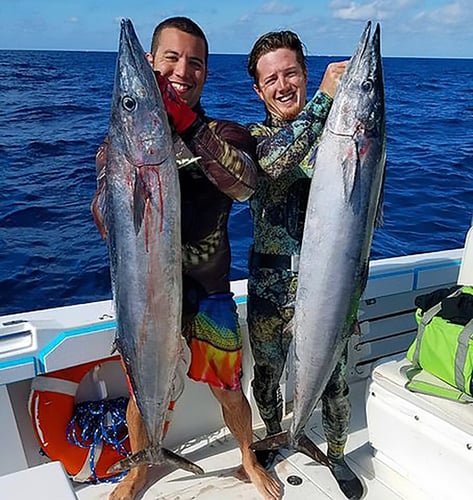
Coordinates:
<point>267,375</point>
<point>228,399</point>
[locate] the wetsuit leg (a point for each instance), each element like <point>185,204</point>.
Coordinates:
<point>336,411</point>
<point>269,344</point>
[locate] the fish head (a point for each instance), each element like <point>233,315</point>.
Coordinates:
<point>358,111</point>
<point>139,123</point>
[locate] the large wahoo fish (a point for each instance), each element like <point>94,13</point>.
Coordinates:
<point>140,212</point>
<point>344,201</point>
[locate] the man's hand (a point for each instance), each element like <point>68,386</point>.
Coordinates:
<point>332,77</point>
<point>181,114</point>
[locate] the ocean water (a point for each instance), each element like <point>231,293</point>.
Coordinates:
<point>54,112</point>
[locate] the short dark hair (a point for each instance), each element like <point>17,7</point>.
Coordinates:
<point>183,24</point>
<point>272,41</point>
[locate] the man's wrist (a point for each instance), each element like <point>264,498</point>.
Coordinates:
<point>193,129</point>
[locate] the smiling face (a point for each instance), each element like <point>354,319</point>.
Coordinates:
<point>281,83</point>
<point>181,58</point>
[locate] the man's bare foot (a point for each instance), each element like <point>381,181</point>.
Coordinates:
<point>241,475</point>
<point>267,485</point>
<point>130,485</point>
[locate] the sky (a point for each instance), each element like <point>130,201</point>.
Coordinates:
<point>409,28</point>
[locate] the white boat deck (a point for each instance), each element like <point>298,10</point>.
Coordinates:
<point>221,459</point>
<point>40,342</point>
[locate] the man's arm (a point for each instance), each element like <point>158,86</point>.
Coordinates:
<point>226,150</point>
<point>227,153</point>
<point>279,152</point>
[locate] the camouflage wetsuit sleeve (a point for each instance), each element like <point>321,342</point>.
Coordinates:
<point>227,155</point>
<point>278,152</point>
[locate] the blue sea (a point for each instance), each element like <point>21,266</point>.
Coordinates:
<point>54,112</point>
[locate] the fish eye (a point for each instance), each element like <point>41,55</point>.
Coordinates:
<point>367,85</point>
<point>128,103</point>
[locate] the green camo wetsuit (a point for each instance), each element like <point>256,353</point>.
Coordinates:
<point>286,154</point>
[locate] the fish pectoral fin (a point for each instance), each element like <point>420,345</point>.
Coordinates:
<point>155,456</point>
<point>141,196</point>
<point>350,167</point>
<point>147,188</point>
<point>273,442</point>
<point>309,448</point>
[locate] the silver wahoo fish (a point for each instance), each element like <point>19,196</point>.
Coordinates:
<point>140,212</point>
<point>344,202</point>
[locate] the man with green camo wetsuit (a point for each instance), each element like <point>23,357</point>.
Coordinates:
<point>286,147</point>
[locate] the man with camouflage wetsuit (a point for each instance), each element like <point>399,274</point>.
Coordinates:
<point>286,148</point>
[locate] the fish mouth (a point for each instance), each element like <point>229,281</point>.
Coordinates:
<point>362,77</point>
<point>134,83</point>
<point>129,44</point>
<point>363,44</point>
<point>366,53</point>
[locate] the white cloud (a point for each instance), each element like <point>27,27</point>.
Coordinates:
<point>449,14</point>
<point>374,9</point>
<point>452,16</point>
<point>275,7</point>
<point>245,18</point>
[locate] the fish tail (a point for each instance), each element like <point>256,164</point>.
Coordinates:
<point>271,443</point>
<point>145,456</point>
<point>181,462</point>
<point>155,456</point>
<point>309,448</point>
<point>284,439</point>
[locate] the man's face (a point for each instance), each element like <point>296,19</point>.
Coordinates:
<point>181,58</point>
<point>281,83</point>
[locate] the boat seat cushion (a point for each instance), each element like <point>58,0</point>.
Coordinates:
<point>389,374</point>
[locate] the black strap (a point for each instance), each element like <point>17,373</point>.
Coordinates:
<point>273,261</point>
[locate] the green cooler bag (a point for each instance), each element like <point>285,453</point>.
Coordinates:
<point>444,349</point>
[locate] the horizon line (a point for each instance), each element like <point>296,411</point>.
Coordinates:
<point>239,54</point>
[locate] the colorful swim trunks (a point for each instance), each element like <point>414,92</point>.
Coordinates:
<point>214,338</point>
